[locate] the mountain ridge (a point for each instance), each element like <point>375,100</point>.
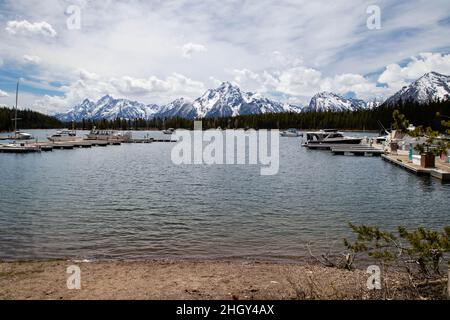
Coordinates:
<point>229,100</point>
<point>430,87</point>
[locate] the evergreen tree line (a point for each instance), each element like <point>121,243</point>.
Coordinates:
<point>28,119</point>
<point>425,115</point>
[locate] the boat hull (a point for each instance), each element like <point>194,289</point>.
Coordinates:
<point>342,141</point>
<point>292,135</point>
<point>63,139</point>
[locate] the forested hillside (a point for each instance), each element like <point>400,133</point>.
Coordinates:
<point>28,120</point>
<point>351,120</point>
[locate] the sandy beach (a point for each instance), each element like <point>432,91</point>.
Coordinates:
<point>235,280</point>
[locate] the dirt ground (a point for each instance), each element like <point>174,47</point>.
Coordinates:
<point>191,280</point>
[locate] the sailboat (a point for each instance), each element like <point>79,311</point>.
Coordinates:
<point>18,135</point>
<point>20,147</point>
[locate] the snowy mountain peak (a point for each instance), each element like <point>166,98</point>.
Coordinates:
<point>432,86</point>
<point>329,101</point>
<point>227,86</point>
<point>228,100</point>
<point>178,108</point>
<point>108,108</point>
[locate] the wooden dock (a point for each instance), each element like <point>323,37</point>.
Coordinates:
<point>348,149</point>
<point>165,140</point>
<point>18,149</point>
<point>144,140</point>
<point>441,171</point>
<point>77,143</point>
<point>68,145</point>
<point>357,150</point>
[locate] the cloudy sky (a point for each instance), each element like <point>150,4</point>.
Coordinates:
<point>157,50</point>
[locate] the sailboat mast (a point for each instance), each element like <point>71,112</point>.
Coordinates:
<point>15,118</point>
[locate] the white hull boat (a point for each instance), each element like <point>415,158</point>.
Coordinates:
<point>291,133</point>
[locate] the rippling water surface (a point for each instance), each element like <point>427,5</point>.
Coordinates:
<point>131,202</point>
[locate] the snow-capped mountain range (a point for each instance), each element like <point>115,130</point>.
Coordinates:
<point>109,108</point>
<point>430,87</point>
<point>228,100</point>
<point>224,101</point>
<point>328,101</point>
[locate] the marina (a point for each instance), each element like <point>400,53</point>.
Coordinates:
<point>441,171</point>
<point>70,142</point>
<point>387,147</point>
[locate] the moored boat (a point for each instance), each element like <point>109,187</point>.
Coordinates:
<point>19,135</point>
<point>64,135</point>
<point>169,131</point>
<point>329,136</point>
<point>19,148</point>
<point>114,135</point>
<point>290,133</point>
<point>22,136</point>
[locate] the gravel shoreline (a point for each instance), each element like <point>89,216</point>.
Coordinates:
<point>192,280</point>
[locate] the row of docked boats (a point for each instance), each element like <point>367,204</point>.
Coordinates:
<point>21,140</point>
<point>326,136</point>
<point>66,135</point>
<point>19,145</point>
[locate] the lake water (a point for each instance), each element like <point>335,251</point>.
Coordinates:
<point>132,202</point>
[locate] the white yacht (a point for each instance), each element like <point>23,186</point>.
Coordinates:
<point>63,135</point>
<point>22,136</point>
<point>329,136</point>
<point>169,131</point>
<point>19,147</point>
<point>114,135</point>
<point>290,133</point>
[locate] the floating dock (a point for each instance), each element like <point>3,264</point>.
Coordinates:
<point>441,171</point>
<point>18,149</point>
<point>357,150</point>
<point>348,149</point>
<point>68,145</point>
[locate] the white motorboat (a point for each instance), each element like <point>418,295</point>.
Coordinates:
<point>19,148</point>
<point>329,136</point>
<point>64,135</point>
<point>114,135</point>
<point>22,136</point>
<point>290,133</point>
<point>169,131</point>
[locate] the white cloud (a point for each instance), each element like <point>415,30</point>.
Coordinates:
<point>269,46</point>
<point>25,27</point>
<point>214,81</point>
<point>3,94</point>
<point>349,82</point>
<point>396,76</point>
<point>32,59</point>
<point>91,86</point>
<point>190,48</point>
<point>300,83</point>
<point>86,75</point>
<point>174,84</point>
